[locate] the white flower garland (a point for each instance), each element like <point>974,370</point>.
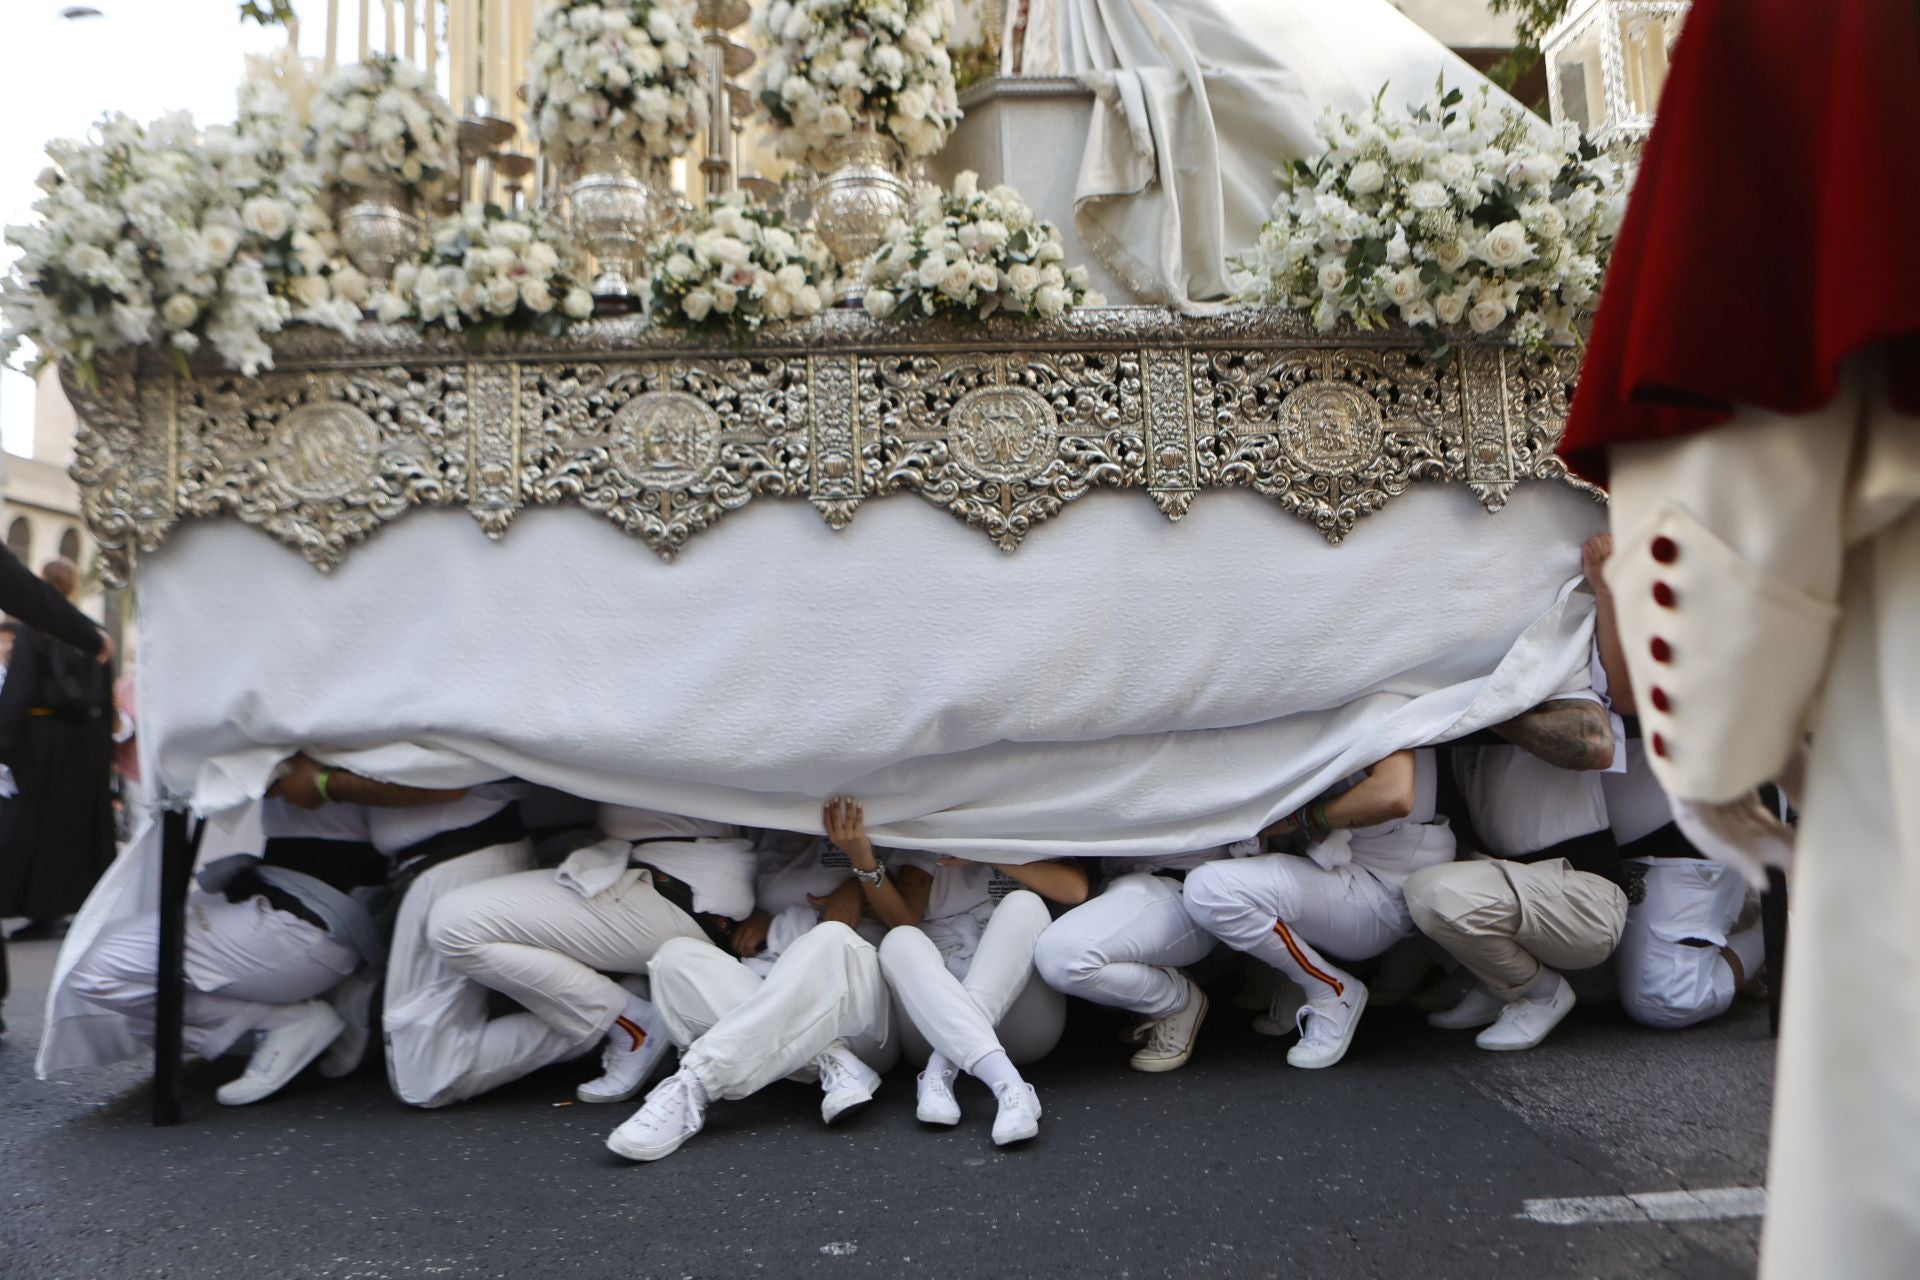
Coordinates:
<point>738,264</point>
<point>380,121</point>
<point>973,252</point>
<point>831,64</point>
<point>1458,214</point>
<point>615,72</point>
<point>486,270</point>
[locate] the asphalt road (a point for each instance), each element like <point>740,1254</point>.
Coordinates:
<point>1414,1158</point>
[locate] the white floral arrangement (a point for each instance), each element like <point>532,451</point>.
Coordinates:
<point>615,72</point>
<point>833,64</point>
<point>139,242</point>
<point>973,252</point>
<point>484,271</point>
<point>738,264</point>
<point>379,122</point>
<point>1457,214</point>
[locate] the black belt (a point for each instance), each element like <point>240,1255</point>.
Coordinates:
<point>345,864</point>
<point>718,929</point>
<point>1597,854</point>
<point>248,884</point>
<point>1663,842</point>
<point>503,827</point>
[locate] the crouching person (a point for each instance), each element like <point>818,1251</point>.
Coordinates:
<point>268,937</point>
<point>797,993</point>
<point>1342,898</point>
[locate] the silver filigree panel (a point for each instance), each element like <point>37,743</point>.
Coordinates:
<point>1001,425</point>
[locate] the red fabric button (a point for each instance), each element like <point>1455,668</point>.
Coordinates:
<point>1660,746</point>
<point>1662,651</point>
<point>1665,549</point>
<point>1663,595</point>
<point>1661,702</point>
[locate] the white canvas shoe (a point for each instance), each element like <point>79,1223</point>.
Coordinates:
<point>1527,1021</point>
<point>636,1047</point>
<point>1019,1115</point>
<point>1282,1017</point>
<point>846,1083</point>
<point>1327,1026</point>
<point>937,1103</point>
<point>1170,1039</point>
<point>353,1001</point>
<point>672,1113</point>
<point>1478,1008</point>
<point>282,1054</point>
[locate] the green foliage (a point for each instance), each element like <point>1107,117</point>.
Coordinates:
<point>273,13</point>
<point>1532,20</point>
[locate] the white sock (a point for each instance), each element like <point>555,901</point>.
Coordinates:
<point>631,1025</point>
<point>938,1064</point>
<point>996,1069</point>
<point>1543,986</point>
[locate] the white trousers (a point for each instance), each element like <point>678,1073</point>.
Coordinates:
<point>1669,965</point>
<point>1279,907</point>
<point>532,938</point>
<point>738,1032</point>
<point>996,1006</point>
<point>1125,947</point>
<point>441,1046</point>
<point>245,962</point>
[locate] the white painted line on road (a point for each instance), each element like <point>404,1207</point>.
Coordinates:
<point>1711,1205</point>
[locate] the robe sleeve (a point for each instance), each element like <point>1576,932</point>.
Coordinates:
<point>1726,581</point>
<point>24,595</point>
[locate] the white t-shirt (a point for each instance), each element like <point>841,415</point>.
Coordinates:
<point>956,891</point>
<point>623,822</point>
<point>1398,848</point>
<point>791,866</point>
<point>282,819</point>
<point>1637,805</point>
<point>396,830</point>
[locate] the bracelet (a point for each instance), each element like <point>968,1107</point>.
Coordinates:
<point>871,878</point>
<point>320,781</point>
<point>1320,818</point>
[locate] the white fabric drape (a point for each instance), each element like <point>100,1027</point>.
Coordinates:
<point>1199,101</point>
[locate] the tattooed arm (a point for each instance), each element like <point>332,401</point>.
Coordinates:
<point>1572,733</point>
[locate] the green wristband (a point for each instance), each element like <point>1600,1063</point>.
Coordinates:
<point>320,784</point>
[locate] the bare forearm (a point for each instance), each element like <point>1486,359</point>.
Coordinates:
<point>1613,658</point>
<point>1571,733</point>
<point>1060,882</point>
<point>889,905</point>
<point>351,788</point>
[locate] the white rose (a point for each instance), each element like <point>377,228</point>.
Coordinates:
<point>1581,203</point>
<point>1404,286</point>
<point>391,308</point>
<point>697,305</point>
<point>310,291</point>
<point>879,303</point>
<point>1450,307</point>
<point>1427,194</point>
<point>680,266</point>
<point>534,292</point>
<point>1454,169</point>
<point>502,297</point>
<point>221,244</point>
<point>725,298</point>
<point>1024,276</point>
<point>1418,313</point>
<point>348,283</point>
<point>930,273</point>
<point>1506,246</point>
<point>985,277</point>
<point>266,217</point>
<point>1366,178</point>
<point>1050,301</point>
<point>579,304</point>
<point>836,119</point>
<point>1486,315</point>
<point>1453,254</point>
<point>778,303</point>
<point>179,311</point>
<point>956,280</point>
<point>1333,278</point>
<point>807,301</point>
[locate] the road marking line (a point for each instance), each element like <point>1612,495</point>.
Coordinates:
<point>1711,1205</point>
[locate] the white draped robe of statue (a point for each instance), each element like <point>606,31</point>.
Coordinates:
<point>1200,101</point>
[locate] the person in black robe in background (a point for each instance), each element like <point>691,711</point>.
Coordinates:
<point>56,734</point>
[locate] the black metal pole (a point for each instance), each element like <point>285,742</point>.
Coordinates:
<point>1773,932</point>
<point>177,848</point>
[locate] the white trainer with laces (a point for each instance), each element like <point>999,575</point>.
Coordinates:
<point>1282,1017</point>
<point>1170,1039</point>
<point>1019,1115</point>
<point>636,1046</point>
<point>1327,1026</point>
<point>282,1054</point>
<point>672,1113</point>
<point>1527,1021</point>
<point>937,1103</point>
<point>1478,1008</point>
<point>846,1083</point>
<point>353,1001</point>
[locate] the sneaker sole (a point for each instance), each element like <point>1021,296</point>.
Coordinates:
<point>944,1120</point>
<point>1471,1025</point>
<point>633,1151</point>
<point>1155,1065</point>
<point>646,1078</point>
<point>846,1110</point>
<point>1031,1131</point>
<point>1346,1041</point>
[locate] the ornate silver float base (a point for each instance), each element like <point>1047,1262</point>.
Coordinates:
<point>379,229</point>
<point>1003,425</point>
<point>617,202</point>
<point>859,192</point>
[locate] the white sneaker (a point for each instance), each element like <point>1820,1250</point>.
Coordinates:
<point>937,1105</point>
<point>846,1083</point>
<point>1019,1116</point>
<point>1170,1039</point>
<point>1282,1017</point>
<point>672,1113</point>
<point>282,1054</point>
<point>1525,1022</point>
<point>353,1001</point>
<point>636,1047</point>
<point>1477,1008</point>
<point>1327,1026</point>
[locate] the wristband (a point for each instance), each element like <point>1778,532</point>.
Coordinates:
<point>1320,818</point>
<point>320,781</point>
<point>871,878</point>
